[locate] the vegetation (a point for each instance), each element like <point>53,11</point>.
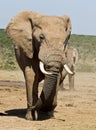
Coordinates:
<point>86,46</point>
<point>7,57</point>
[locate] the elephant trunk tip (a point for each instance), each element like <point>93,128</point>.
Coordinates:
<point>38,105</point>
<point>33,108</point>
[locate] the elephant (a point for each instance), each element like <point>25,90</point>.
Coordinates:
<point>40,42</point>
<point>72,58</point>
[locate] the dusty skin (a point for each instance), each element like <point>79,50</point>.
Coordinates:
<point>76,110</point>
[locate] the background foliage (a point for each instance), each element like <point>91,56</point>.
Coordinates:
<point>86,46</point>
<point>7,56</point>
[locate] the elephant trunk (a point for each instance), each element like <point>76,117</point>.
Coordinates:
<point>47,100</point>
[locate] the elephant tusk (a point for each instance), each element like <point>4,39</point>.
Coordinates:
<point>43,70</point>
<point>68,69</point>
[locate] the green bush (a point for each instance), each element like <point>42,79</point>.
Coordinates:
<point>7,56</point>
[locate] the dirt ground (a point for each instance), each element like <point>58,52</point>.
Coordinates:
<point>76,110</point>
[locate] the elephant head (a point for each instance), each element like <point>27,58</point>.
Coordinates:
<point>29,30</point>
<point>46,38</point>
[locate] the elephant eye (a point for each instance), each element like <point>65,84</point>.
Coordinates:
<point>42,36</point>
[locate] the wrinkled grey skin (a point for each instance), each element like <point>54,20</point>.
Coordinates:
<point>37,38</point>
<point>72,57</point>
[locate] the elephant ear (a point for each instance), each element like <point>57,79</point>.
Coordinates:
<point>67,24</point>
<point>20,31</point>
<point>72,55</point>
<point>68,27</point>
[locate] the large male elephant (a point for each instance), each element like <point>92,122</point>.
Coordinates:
<point>40,40</point>
<point>72,57</point>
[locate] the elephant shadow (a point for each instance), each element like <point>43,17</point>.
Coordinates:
<point>14,112</point>
<point>21,114</point>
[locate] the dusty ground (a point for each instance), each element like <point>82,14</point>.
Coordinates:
<point>76,110</point>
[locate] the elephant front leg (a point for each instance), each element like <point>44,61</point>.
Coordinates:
<point>30,92</point>
<point>71,80</point>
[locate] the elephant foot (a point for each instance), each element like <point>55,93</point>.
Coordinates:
<point>45,115</point>
<point>62,89</point>
<point>28,115</point>
<point>50,114</point>
<point>31,115</point>
<point>72,89</point>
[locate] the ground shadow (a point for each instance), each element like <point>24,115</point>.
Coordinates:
<point>21,114</point>
<point>15,112</point>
